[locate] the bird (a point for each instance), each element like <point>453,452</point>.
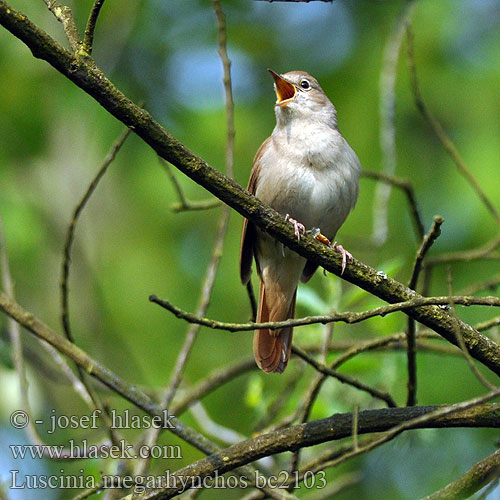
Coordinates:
<point>308,173</point>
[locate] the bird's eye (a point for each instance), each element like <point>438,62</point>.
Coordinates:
<point>305,84</point>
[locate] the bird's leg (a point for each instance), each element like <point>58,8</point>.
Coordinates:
<point>296,225</point>
<point>345,255</point>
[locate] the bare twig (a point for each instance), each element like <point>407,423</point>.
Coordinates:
<point>344,317</point>
<point>64,15</point>
<point>182,358</point>
<point>438,129</point>
<point>427,242</point>
<point>387,126</point>
<point>184,204</point>
<point>407,187</point>
<point>336,486</point>
<point>70,234</point>
<point>89,492</point>
<point>461,343</point>
<point>88,37</point>
<point>411,355</point>
<point>346,379</point>
<point>394,341</point>
<point>210,383</point>
<point>485,252</point>
<point>280,401</point>
<point>228,87</point>
<point>65,269</point>
<point>486,325</point>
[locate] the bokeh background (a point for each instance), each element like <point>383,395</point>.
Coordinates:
<point>130,244</point>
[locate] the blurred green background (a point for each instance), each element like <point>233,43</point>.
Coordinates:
<point>130,244</point>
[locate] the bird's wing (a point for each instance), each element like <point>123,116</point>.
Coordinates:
<point>249,233</point>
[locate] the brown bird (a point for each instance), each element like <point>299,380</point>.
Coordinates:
<point>308,172</point>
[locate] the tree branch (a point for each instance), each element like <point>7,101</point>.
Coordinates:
<point>84,73</point>
<point>88,37</point>
<point>64,15</point>
<point>394,420</point>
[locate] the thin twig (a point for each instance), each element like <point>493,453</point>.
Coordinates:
<point>411,362</point>
<point>280,401</point>
<point>88,37</point>
<point>228,87</point>
<point>355,418</point>
<point>383,342</point>
<point>185,205</point>
<point>296,1</point>
<point>70,234</point>
<point>210,383</point>
<point>344,317</point>
<point>346,379</point>
<point>183,356</point>
<point>486,325</point>
<point>485,252</point>
<point>427,242</point>
<point>438,129</point>
<point>406,186</point>
<point>461,343</point>
<point>129,391</point>
<point>411,353</point>
<point>64,15</point>
<point>336,486</point>
<point>66,266</point>
<point>387,125</point>
<point>89,492</point>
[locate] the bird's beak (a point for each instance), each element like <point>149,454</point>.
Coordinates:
<point>285,91</point>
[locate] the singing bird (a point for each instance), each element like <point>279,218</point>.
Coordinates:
<point>307,172</point>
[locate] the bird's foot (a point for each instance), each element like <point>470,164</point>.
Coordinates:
<point>315,232</point>
<point>345,255</point>
<point>297,226</point>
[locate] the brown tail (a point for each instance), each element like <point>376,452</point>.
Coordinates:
<point>272,347</point>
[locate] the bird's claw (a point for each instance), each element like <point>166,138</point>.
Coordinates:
<point>297,226</point>
<point>345,255</point>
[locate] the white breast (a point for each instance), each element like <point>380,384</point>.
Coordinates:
<point>310,173</point>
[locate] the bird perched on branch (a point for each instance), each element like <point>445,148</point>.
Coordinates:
<point>308,172</point>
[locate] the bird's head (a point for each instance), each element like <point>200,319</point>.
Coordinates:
<point>299,95</point>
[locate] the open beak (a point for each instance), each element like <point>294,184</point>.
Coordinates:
<point>285,91</point>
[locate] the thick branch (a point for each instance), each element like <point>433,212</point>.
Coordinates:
<point>83,72</point>
<point>335,427</point>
